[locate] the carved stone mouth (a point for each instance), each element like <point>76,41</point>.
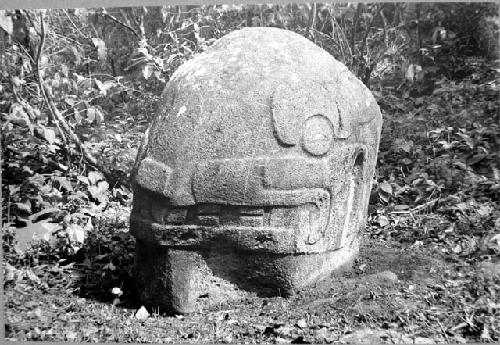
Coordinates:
<point>222,215</point>
<point>310,219</point>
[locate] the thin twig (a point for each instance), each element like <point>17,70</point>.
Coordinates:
<point>443,330</point>
<point>424,206</point>
<point>74,25</point>
<point>386,36</point>
<point>40,45</point>
<point>312,18</point>
<point>117,21</point>
<point>59,120</point>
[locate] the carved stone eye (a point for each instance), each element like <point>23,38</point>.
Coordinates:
<point>318,135</point>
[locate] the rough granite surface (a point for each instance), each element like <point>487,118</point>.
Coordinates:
<point>256,174</point>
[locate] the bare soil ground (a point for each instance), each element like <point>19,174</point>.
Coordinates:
<point>396,293</point>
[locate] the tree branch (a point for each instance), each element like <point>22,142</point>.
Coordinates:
<point>40,45</point>
<point>36,60</point>
<point>59,120</point>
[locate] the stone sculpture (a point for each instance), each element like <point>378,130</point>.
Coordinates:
<point>256,172</point>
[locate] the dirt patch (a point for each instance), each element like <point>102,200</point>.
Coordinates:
<point>395,293</point>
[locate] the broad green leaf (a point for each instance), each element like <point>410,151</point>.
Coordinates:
<point>99,116</point>
<point>95,115</point>
<point>386,187</point>
<point>64,183</point>
<point>69,100</point>
<point>94,176</point>
<point>65,70</point>
<point>142,313</point>
<point>103,186</point>
<point>383,221</point>
<point>6,22</point>
<point>49,135</point>
<point>384,196</point>
<point>77,54</point>
<point>99,84</point>
<point>83,83</point>
<point>13,189</point>
<point>468,140</point>
<point>24,206</point>
<point>19,117</point>
<point>76,233</point>
<point>147,71</point>
<point>101,48</point>
<point>78,117</point>
<point>99,192</point>
<point>17,82</point>
<point>82,13</point>
<point>51,210</point>
<point>117,291</point>
<point>91,114</point>
<point>109,266</point>
<point>40,230</point>
<point>83,179</point>
<point>460,165</point>
<point>28,170</point>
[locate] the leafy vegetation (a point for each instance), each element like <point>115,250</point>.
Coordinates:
<point>79,88</point>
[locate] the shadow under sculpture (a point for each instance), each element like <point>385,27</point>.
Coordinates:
<point>256,173</point>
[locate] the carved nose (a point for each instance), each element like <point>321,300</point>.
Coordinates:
<point>154,176</point>
<point>174,184</point>
<point>264,182</point>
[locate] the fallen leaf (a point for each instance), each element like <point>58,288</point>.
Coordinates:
<point>401,207</point>
<point>147,71</point>
<point>383,221</point>
<point>34,231</point>
<point>117,291</point>
<point>24,206</point>
<point>142,313</point>
<point>302,323</point>
<point>70,335</point>
<point>386,187</point>
<point>6,22</point>
<point>49,135</point>
<point>110,267</point>
<point>101,48</point>
<point>94,176</point>
<point>10,273</point>
<point>76,233</point>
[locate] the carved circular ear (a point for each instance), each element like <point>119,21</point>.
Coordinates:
<point>293,103</point>
<point>288,114</point>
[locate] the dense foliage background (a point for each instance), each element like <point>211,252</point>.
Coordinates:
<point>80,86</point>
